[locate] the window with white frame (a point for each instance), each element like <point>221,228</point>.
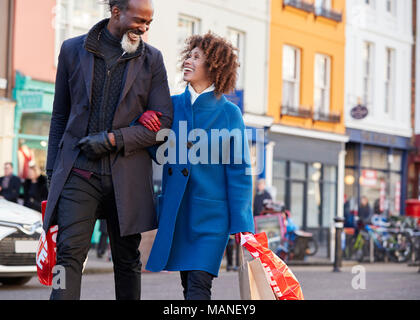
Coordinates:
<point>391,7</point>
<point>291,76</point>
<point>370,3</point>
<point>322,4</point>
<point>322,83</point>
<point>187,26</point>
<point>76,17</point>
<point>237,38</point>
<point>389,79</point>
<point>367,73</point>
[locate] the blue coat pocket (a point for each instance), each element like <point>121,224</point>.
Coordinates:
<point>208,217</point>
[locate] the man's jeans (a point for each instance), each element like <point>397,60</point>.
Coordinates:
<point>77,212</point>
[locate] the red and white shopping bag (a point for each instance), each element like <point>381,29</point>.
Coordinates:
<point>281,279</point>
<point>46,253</point>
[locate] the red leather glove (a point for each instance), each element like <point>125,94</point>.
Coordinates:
<point>150,120</point>
<point>238,236</point>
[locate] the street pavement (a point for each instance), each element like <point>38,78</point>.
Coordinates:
<point>378,281</point>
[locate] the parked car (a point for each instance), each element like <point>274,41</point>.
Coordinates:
<point>20,229</point>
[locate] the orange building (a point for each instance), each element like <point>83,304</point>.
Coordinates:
<point>306,101</point>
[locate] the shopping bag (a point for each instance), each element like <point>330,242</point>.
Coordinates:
<point>259,285</point>
<point>46,252</point>
<point>282,281</point>
<point>243,274</point>
<point>253,282</point>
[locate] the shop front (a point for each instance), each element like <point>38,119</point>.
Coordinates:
<point>306,179</point>
<point>34,102</point>
<point>376,172</point>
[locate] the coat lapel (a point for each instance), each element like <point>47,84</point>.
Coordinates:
<point>134,67</point>
<point>86,62</point>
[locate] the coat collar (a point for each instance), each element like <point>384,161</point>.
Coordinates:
<point>205,100</point>
<point>91,44</point>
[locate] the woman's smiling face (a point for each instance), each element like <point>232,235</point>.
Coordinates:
<point>195,67</point>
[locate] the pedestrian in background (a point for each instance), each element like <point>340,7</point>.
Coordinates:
<point>34,189</point>
<point>365,211</point>
<point>232,248</point>
<point>261,195</point>
<point>9,184</point>
<point>203,203</point>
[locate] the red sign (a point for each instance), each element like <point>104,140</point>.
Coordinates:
<point>369,178</point>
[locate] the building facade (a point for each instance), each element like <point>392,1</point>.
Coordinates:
<point>378,103</point>
<point>7,105</point>
<point>306,101</point>
<point>35,66</point>
<point>413,187</point>
<point>246,24</point>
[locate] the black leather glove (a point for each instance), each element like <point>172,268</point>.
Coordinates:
<point>96,146</point>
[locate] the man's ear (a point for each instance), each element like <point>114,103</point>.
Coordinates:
<point>116,12</point>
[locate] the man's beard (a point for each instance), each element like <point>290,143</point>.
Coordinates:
<point>129,46</point>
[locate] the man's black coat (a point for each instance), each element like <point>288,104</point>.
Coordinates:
<point>145,88</point>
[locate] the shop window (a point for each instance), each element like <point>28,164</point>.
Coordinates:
<point>297,171</point>
<point>395,194</point>
<point>375,158</point>
<point>330,173</point>
<point>279,180</point>
<point>314,195</point>
<point>35,124</point>
<point>350,155</point>
<point>373,186</point>
<point>297,202</point>
<point>329,203</point>
<point>350,189</point>
<point>396,161</point>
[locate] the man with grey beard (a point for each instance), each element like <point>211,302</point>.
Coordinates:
<point>97,164</point>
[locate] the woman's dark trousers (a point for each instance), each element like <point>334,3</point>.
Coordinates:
<point>197,285</point>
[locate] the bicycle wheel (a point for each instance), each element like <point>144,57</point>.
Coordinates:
<point>361,247</point>
<point>312,247</point>
<point>401,248</point>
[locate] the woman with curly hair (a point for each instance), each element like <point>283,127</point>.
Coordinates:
<point>203,202</point>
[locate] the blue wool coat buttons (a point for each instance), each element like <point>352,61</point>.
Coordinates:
<point>185,172</point>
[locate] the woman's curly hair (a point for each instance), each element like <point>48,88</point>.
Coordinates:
<point>221,59</point>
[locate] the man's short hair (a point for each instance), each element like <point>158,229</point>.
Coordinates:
<point>8,163</point>
<point>121,4</point>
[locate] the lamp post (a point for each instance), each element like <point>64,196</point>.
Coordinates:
<point>339,225</point>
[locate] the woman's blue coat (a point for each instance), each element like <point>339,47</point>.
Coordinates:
<point>202,203</point>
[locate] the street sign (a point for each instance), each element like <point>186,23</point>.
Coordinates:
<point>359,112</point>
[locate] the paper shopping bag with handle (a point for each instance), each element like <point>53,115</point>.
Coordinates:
<point>253,282</point>
<point>46,253</point>
<point>282,281</point>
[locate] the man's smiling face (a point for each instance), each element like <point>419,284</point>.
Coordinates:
<point>133,22</point>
